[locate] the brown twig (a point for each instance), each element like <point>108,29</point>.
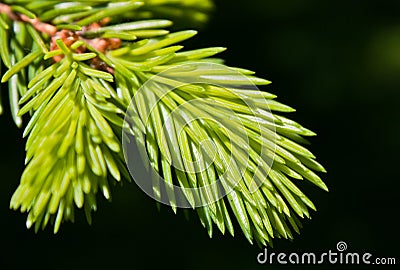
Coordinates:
<point>69,37</point>
<point>39,25</point>
<point>36,23</point>
<point>6,9</point>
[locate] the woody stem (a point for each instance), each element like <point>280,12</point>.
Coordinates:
<point>36,23</point>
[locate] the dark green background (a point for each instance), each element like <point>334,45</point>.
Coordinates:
<point>338,63</point>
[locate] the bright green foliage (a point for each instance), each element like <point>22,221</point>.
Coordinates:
<point>77,116</point>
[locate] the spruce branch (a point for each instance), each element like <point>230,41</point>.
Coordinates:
<point>90,74</point>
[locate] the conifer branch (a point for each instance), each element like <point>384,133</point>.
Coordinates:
<point>98,72</point>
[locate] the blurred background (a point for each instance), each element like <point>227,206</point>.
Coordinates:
<point>338,64</point>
